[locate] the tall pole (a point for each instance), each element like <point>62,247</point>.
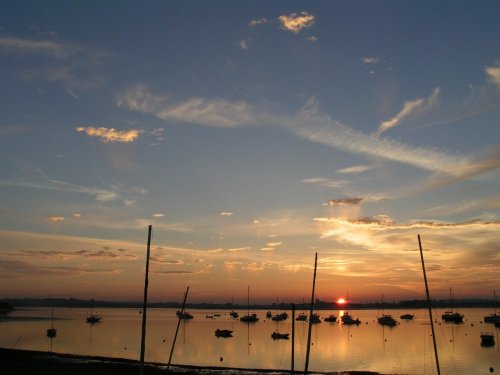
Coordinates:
<point>145,303</point>
<point>177,329</point>
<point>429,306</point>
<point>293,339</point>
<point>310,316</point>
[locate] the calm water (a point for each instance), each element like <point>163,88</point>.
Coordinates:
<point>406,348</point>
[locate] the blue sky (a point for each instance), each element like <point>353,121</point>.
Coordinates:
<point>250,134</point>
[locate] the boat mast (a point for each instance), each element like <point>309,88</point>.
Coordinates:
<point>429,306</point>
<point>145,303</point>
<point>177,329</point>
<point>310,316</point>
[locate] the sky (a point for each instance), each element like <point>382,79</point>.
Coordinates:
<point>250,135</point>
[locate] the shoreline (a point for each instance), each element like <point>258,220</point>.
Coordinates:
<point>31,362</point>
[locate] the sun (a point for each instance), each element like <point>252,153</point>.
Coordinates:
<point>341,301</point>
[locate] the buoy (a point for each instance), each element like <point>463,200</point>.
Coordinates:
<point>221,359</point>
<point>492,369</point>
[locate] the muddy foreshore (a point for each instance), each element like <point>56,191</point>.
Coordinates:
<point>28,362</point>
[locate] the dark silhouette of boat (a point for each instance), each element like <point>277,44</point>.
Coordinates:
<point>349,320</point>
<point>407,317</point>
<point>451,317</point>
<point>279,336</point>
<point>93,319</point>
<point>233,314</point>
<point>184,315</point>
<point>315,319</point>
<point>301,317</point>
<point>331,319</point>
<point>280,317</point>
<point>493,318</point>
<point>249,318</point>
<point>223,333</point>
<point>387,320</point>
<point>487,339</point>
<point>52,332</point>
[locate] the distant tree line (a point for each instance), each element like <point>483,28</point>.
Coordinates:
<point>8,304</point>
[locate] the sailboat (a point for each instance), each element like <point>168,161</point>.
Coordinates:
<point>452,317</point>
<point>279,316</point>
<point>249,318</point>
<point>346,318</point>
<point>93,318</point>
<point>386,319</point>
<point>52,332</point>
<point>493,318</point>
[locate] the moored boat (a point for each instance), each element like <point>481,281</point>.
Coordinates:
<point>279,336</point>
<point>331,319</point>
<point>451,317</point>
<point>301,317</point>
<point>184,315</point>
<point>233,314</point>
<point>387,320</point>
<point>93,319</point>
<point>349,320</point>
<point>223,333</point>
<point>279,317</point>
<point>407,317</point>
<point>249,318</point>
<point>487,339</point>
<point>315,319</point>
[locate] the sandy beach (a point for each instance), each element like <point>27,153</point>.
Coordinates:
<point>27,362</point>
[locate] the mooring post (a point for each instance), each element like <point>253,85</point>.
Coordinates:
<point>145,303</point>
<point>429,306</point>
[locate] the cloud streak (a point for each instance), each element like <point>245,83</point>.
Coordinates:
<point>309,123</point>
<point>410,108</point>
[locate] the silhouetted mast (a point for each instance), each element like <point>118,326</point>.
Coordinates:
<point>177,329</point>
<point>310,316</point>
<point>429,306</point>
<point>145,303</point>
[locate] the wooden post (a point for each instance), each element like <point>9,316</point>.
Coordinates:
<point>293,339</point>
<point>145,303</point>
<point>310,317</point>
<point>429,306</point>
<point>177,329</point>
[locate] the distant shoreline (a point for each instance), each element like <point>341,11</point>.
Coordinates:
<point>29,362</point>
<point>319,305</point>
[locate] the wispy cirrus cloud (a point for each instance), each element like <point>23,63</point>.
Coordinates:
<point>410,108</point>
<point>45,47</point>
<point>216,112</point>
<point>110,134</point>
<point>34,178</point>
<point>55,219</point>
<point>355,169</point>
<point>309,123</point>
<point>76,67</point>
<point>296,22</point>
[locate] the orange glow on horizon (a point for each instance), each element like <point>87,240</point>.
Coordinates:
<point>341,301</point>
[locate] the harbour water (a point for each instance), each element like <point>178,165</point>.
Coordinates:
<point>403,349</point>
